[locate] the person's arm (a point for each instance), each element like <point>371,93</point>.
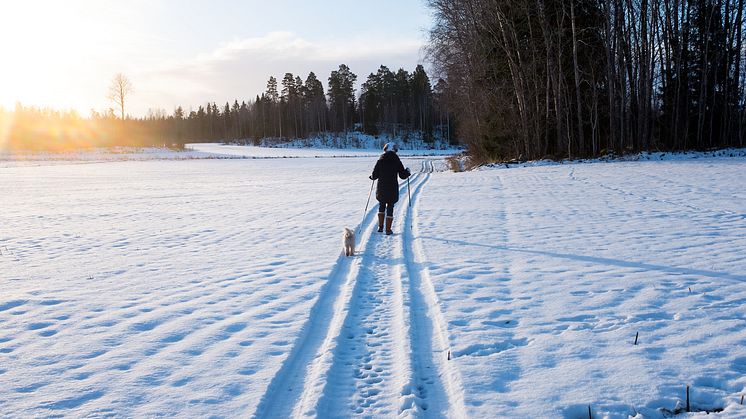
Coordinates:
<point>403,171</point>
<point>375,174</point>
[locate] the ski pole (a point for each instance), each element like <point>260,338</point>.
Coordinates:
<point>366,206</point>
<point>409,194</point>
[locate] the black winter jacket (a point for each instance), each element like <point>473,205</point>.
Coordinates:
<point>387,167</point>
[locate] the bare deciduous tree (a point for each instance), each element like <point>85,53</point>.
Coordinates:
<point>119,90</point>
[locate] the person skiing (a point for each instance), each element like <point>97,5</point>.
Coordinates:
<point>387,168</point>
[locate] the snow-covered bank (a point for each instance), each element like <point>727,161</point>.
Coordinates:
<point>213,287</point>
<point>644,156</point>
<point>358,140</point>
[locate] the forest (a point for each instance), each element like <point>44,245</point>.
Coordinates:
<point>581,78</point>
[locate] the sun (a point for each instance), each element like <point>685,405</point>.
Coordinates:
<point>42,43</point>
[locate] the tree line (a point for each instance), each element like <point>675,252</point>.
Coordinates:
<point>392,103</point>
<point>398,103</point>
<point>578,78</point>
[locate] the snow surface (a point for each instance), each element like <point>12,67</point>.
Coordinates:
<point>97,155</point>
<point>217,287</point>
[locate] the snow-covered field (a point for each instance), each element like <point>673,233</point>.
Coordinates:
<point>100,155</point>
<point>215,287</point>
<point>204,151</point>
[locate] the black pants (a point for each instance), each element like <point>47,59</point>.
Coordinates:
<point>388,208</point>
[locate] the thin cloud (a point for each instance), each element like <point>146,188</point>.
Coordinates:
<point>286,45</point>
<point>239,69</point>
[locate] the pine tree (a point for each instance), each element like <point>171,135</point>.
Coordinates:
<point>370,104</point>
<point>235,120</point>
<point>342,97</point>
<point>273,101</point>
<point>202,123</point>
<point>179,125</point>
<point>403,99</point>
<point>289,97</point>
<point>316,102</point>
<point>299,106</point>
<point>244,115</point>
<point>226,121</point>
<point>215,118</point>
<point>421,102</point>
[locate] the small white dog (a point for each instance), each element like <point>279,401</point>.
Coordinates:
<point>348,242</point>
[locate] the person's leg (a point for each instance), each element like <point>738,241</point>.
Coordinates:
<point>381,209</point>
<point>389,218</point>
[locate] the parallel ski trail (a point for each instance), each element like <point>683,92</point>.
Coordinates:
<point>367,375</point>
<point>371,368</point>
<point>435,388</point>
<point>300,371</point>
<point>375,343</point>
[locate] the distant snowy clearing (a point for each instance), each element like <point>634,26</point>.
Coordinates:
<point>300,152</point>
<point>214,285</point>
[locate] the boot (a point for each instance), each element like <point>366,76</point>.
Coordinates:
<point>380,222</point>
<point>389,221</point>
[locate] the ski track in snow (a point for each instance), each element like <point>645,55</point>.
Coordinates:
<point>375,344</point>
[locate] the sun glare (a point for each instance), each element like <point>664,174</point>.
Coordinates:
<point>44,46</point>
<point>52,61</point>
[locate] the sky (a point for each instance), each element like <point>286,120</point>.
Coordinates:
<point>64,54</point>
